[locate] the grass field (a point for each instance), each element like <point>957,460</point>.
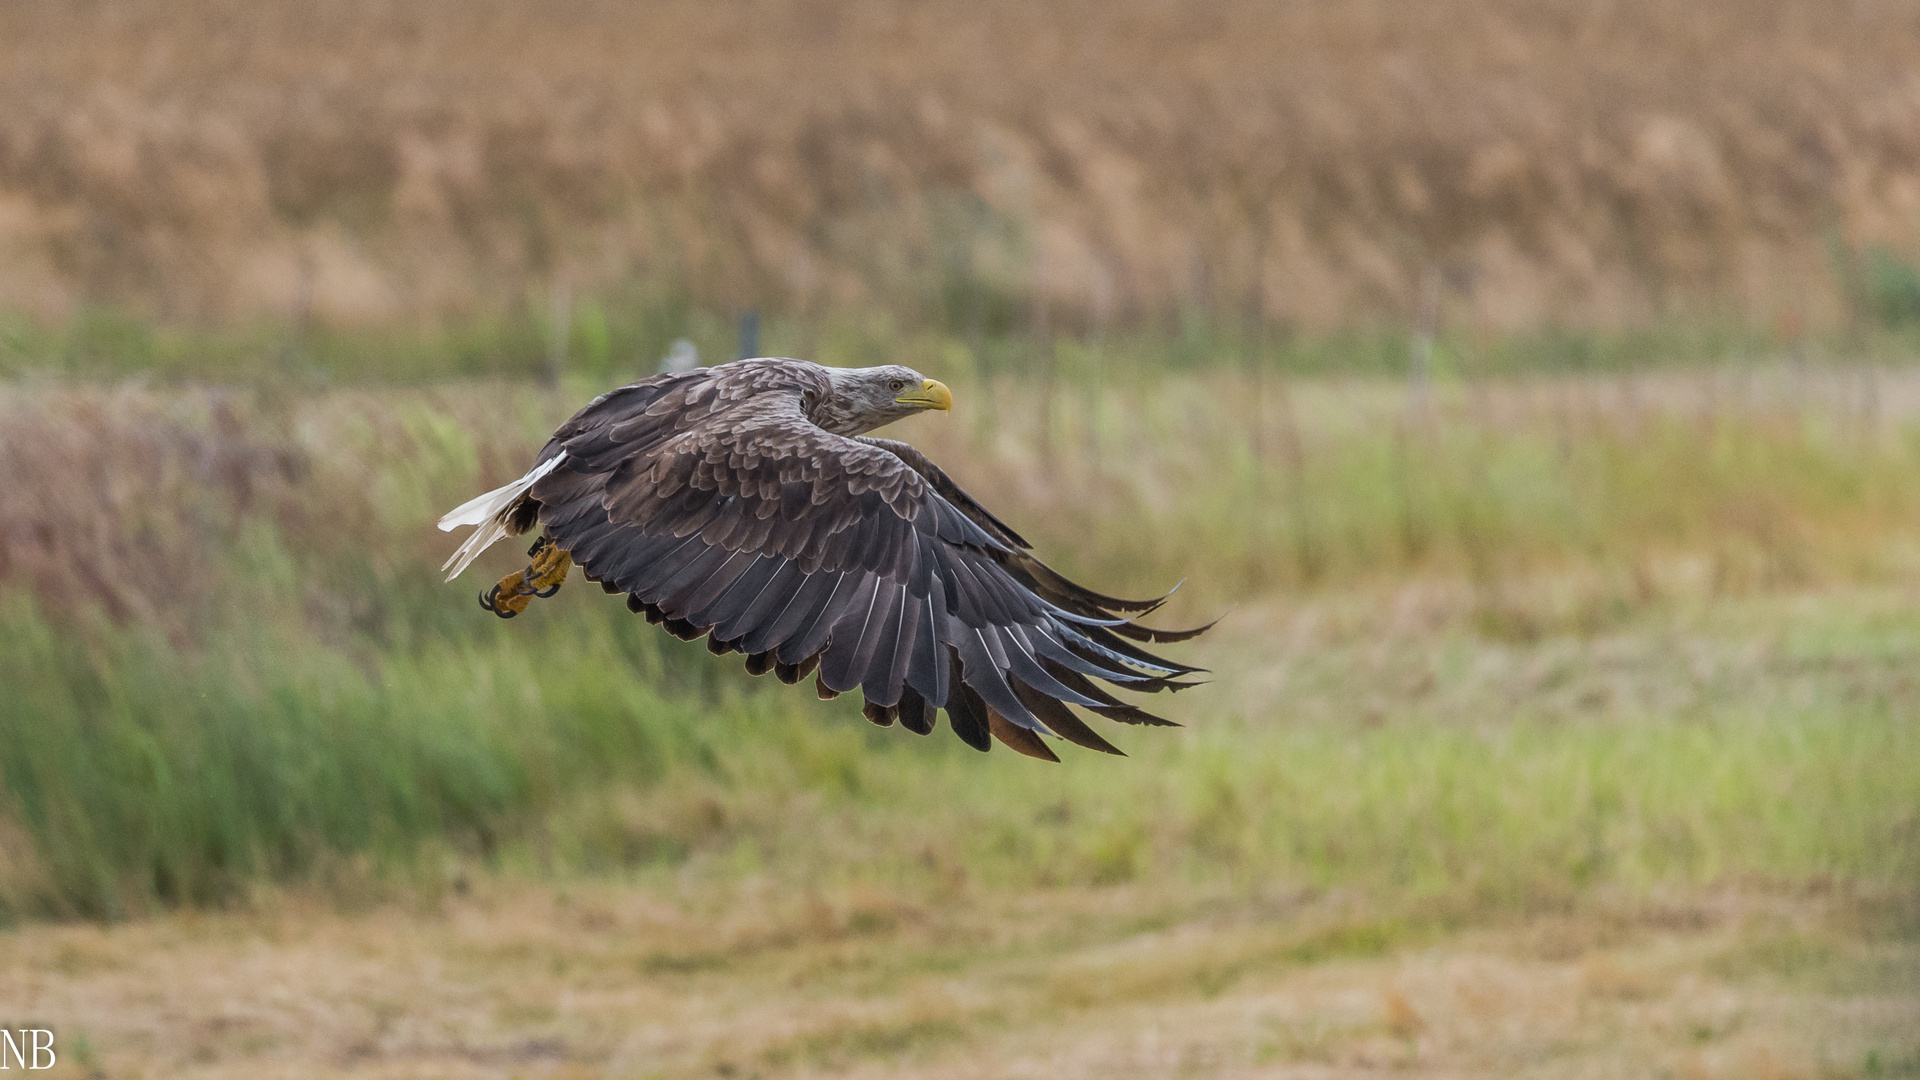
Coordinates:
<point>232,656</point>
<point>1685,846</point>
<point>1561,725</point>
<point>1528,385</point>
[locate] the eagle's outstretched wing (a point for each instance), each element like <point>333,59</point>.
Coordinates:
<point>721,510</point>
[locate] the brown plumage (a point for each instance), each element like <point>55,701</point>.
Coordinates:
<point>742,503</point>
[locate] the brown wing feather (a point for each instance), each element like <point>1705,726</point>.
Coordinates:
<point>1031,572</point>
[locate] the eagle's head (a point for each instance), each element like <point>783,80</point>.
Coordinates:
<point>867,398</point>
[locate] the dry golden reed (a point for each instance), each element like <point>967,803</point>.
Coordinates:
<point>991,164</point>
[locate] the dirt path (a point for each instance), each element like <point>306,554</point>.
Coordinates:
<point>519,981</point>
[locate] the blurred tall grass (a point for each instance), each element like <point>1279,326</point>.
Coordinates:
<point>229,659</point>
<point>977,165</point>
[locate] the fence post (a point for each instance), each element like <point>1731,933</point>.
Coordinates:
<point>559,329</point>
<point>1426,326</point>
<point>749,334</point>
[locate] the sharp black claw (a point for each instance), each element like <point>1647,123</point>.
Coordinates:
<point>546,592</point>
<point>491,601</point>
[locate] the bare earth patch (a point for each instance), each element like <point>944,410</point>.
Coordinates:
<point>517,980</point>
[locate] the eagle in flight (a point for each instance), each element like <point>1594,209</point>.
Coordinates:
<point>745,503</point>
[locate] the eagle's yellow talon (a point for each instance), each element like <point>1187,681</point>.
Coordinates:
<point>518,589</point>
<point>508,598</point>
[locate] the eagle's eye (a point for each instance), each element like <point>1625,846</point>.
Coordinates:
<point>896,385</point>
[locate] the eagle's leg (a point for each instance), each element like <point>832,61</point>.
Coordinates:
<point>549,568</point>
<point>541,578</point>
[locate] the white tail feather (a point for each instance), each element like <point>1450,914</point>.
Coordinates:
<point>489,512</point>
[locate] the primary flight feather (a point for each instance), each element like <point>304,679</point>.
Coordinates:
<point>745,503</point>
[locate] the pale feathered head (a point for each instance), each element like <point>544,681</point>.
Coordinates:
<point>867,398</point>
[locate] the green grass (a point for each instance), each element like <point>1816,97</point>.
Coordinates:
<point>1532,648</point>
<point>623,333</point>
<point>144,776</point>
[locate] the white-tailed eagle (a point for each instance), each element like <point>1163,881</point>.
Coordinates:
<point>744,503</point>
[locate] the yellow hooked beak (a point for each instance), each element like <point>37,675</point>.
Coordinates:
<point>933,394</point>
